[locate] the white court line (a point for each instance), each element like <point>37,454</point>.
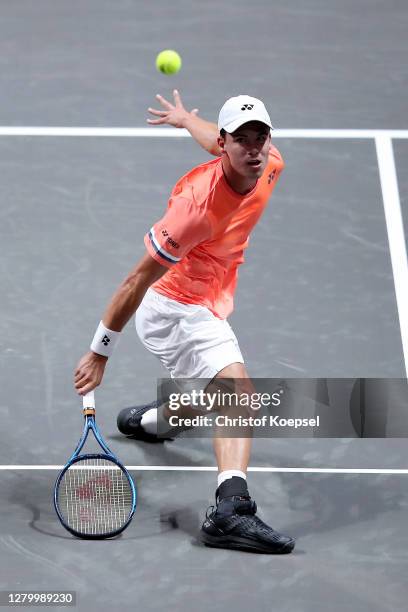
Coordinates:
<point>396,235</point>
<point>189,468</point>
<point>154,132</point>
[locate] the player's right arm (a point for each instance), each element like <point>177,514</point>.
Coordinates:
<point>129,295</point>
<point>203,132</point>
<point>124,303</point>
<point>183,226</point>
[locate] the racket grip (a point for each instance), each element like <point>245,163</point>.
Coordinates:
<point>89,400</point>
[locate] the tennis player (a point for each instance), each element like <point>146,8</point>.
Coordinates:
<point>182,291</point>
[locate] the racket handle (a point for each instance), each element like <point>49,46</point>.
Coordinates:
<point>89,400</point>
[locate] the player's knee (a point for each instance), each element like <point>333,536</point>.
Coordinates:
<point>233,370</point>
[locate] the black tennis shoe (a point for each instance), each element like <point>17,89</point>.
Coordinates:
<point>129,422</point>
<point>234,524</point>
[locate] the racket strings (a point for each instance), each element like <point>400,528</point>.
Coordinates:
<point>95,497</point>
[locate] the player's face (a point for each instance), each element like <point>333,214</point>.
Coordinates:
<point>247,149</point>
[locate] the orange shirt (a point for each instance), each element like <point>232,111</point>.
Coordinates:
<point>204,233</point>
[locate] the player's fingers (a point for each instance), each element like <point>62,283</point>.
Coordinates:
<point>80,373</point>
<point>156,121</point>
<point>80,380</point>
<point>164,102</point>
<point>85,385</point>
<point>177,99</point>
<point>80,386</point>
<point>85,378</point>
<point>84,388</point>
<point>160,113</point>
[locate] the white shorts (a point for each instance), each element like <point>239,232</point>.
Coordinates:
<point>188,339</point>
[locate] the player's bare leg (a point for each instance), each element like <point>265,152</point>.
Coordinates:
<point>233,522</point>
<point>233,453</point>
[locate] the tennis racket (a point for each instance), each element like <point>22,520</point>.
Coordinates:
<point>94,495</point>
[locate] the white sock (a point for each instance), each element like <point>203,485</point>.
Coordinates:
<point>229,474</point>
<point>149,421</point>
<point>152,419</point>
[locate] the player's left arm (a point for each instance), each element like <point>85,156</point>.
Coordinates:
<point>203,132</point>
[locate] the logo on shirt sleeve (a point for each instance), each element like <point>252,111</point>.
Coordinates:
<point>271,176</point>
<point>161,251</point>
<point>170,240</point>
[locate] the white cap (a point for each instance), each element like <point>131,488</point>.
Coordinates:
<point>241,109</point>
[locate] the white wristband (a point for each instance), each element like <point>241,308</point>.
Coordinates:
<point>104,340</point>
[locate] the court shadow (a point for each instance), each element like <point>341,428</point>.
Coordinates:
<point>329,502</point>
<point>185,519</point>
<point>35,495</point>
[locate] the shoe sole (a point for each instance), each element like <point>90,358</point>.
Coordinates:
<point>237,543</point>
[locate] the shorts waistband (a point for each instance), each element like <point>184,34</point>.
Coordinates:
<point>160,298</point>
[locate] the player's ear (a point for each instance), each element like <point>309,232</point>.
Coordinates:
<point>221,143</point>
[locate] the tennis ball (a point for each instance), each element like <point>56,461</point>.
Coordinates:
<point>168,62</point>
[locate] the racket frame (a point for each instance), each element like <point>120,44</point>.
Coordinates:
<point>90,424</point>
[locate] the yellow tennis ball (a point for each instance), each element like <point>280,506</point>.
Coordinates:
<point>168,61</point>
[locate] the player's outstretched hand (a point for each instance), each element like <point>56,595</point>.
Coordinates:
<point>89,372</point>
<point>174,114</point>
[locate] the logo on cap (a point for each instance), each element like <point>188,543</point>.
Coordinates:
<point>233,114</point>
